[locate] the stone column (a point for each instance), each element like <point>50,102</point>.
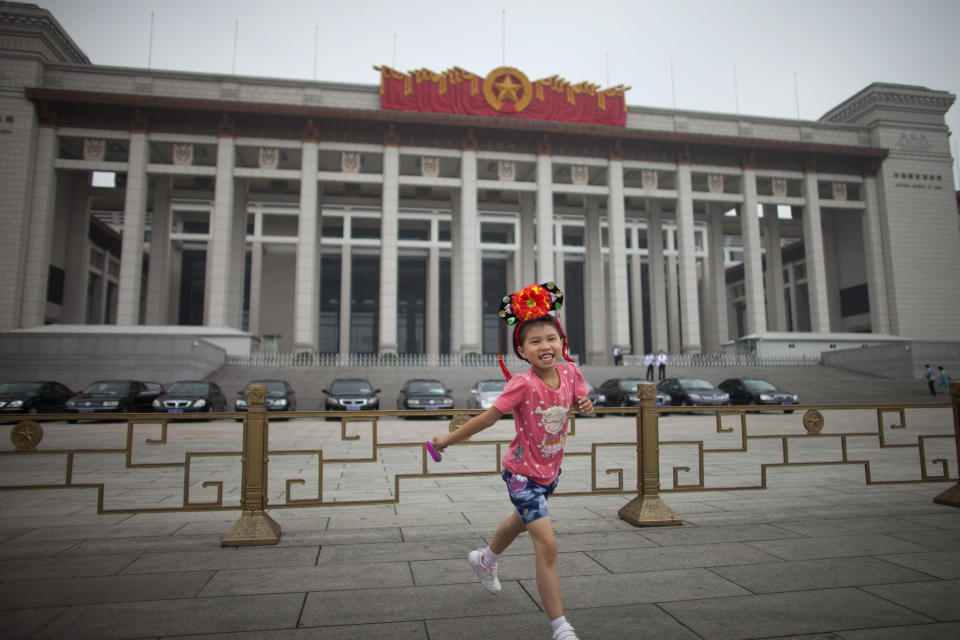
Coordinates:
<point>433,300</point>
<point>756,313</point>
<point>658,301</point>
<point>595,307</point>
<point>217,291</point>
<point>673,306</point>
<point>636,296</point>
<point>78,250</point>
<point>238,254</point>
<point>158,277</point>
<point>813,251</point>
<point>718,282</point>
<point>528,270</point>
<point>776,313</point>
<point>874,257</point>
<point>545,217</point>
<point>456,260</point>
<point>687,256</point>
<point>469,250</point>
<point>306,300</point>
<point>346,291</point>
<point>256,280</point>
<point>134,212</point>
<point>617,292</point>
<point>39,237</point>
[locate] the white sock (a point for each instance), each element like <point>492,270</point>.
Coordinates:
<point>559,622</point>
<point>489,558</point>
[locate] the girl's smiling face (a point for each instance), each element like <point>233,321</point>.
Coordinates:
<point>542,346</point>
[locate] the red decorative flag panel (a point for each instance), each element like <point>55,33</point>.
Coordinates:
<point>505,92</point>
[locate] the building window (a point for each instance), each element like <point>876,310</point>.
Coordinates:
<point>413,229</point>
<point>365,228</point>
<point>854,301</point>
<point>55,278</point>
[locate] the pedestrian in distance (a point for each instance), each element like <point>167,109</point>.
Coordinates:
<point>943,380</point>
<point>931,379</point>
<point>649,360</point>
<point>617,355</point>
<point>541,400</point>
<point>662,366</point>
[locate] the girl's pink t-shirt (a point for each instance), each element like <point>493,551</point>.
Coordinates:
<point>541,416</point>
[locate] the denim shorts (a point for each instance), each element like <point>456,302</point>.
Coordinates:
<point>529,497</point>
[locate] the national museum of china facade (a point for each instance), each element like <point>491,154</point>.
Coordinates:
<point>319,218</point>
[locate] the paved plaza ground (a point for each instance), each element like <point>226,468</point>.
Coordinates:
<point>817,554</point>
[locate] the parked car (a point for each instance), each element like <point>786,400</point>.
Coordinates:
<point>34,397</point>
<point>598,400</point>
<point>117,396</point>
<point>351,394</point>
<point>622,392</point>
<point>280,396</point>
<point>757,391</point>
<point>484,392</point>
<point>188,396</point>
<point>693,392</point>
<point>424,394</point>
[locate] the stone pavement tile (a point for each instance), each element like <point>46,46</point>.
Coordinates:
<point>522,567</point>
<point>897,509</point>
<point>684,557</point>
<point>99,530</point>
<point>327,537</point>
<point>223,558</point>
<point>48,568</point>
<point>638,588</point>
<point>763,502</point>
<point>684,509</point>
<point>836,546</point>
<point>949,518</point>
<point>759,516</point>
<point>174,617</point>
<point>947,540</point>
<point>346,521</point>
<point>332,577</point>
<point>6,534</point>
<point>387,631</point>
<point>445,532</point>
<point>596,541</point>
<point>182,517</point>
<point>397,551</point>
<point>630,621</point>
<point>817,574</point>
<point>934,631</point>
<point>942,564</point>
<point>671,536</point>
<point>18,625</point>
<point>73,591</point>
<point>24,548</point>
<point>496,516</point>
<point>937,599</point>
<point>849,526</point>
<point>101,547</point>
<point>366,606</point>
<point>47,522</point>
<point>784,614</point>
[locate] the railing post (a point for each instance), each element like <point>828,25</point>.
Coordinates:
<point>951,497</point>
<point>254,527</point>
<point>647,509</point>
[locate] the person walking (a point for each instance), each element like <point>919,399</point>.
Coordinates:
<point>931,379</point>
<point>943,380</point>
<point>661,366</point>
<point>617,355</point>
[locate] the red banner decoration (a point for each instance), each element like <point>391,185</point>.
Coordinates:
<point>505,92</point>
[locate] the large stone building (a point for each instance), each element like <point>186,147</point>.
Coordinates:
<point>317,220</point>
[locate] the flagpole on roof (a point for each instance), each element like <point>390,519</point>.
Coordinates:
<point>503,38</point>
<point>236,28</point>
<point>150,46</point>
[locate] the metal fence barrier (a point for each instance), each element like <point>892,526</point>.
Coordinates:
<point>255,527</point>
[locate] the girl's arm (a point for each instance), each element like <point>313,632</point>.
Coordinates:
<point>471,427</point>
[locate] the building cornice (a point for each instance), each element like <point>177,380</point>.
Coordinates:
<point>28,19</point>
<point>900,97</point>
<point>387,117</point>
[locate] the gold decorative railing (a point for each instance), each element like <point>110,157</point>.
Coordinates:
<point>651,450</point>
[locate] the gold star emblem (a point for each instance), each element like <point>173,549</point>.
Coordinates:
<point>508,89</point>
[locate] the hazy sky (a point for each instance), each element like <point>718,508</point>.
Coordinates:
<point>725,55</point>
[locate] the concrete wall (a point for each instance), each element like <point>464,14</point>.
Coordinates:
<point>900,361</point>
<point>78,360</point>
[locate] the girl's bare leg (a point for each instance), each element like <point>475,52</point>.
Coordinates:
<point>506,533</point>
<point>548,584</point>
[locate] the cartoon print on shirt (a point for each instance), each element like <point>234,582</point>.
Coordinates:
<point>553,419</point>
<point>518,453</point>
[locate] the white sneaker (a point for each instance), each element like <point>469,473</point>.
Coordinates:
<point>564,633</point>
<point>488,576</point>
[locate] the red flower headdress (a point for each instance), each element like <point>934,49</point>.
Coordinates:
<point>533,301</point>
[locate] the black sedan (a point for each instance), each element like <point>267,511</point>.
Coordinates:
<point>191,396</point>
<point>351,394</point>
<point>693,392</point>
<point>115,396</point>
<point>280,396</point>
<point>424,394</point>
<point>34,397</point>
<point>757,391</point>
<point>622,392</point>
